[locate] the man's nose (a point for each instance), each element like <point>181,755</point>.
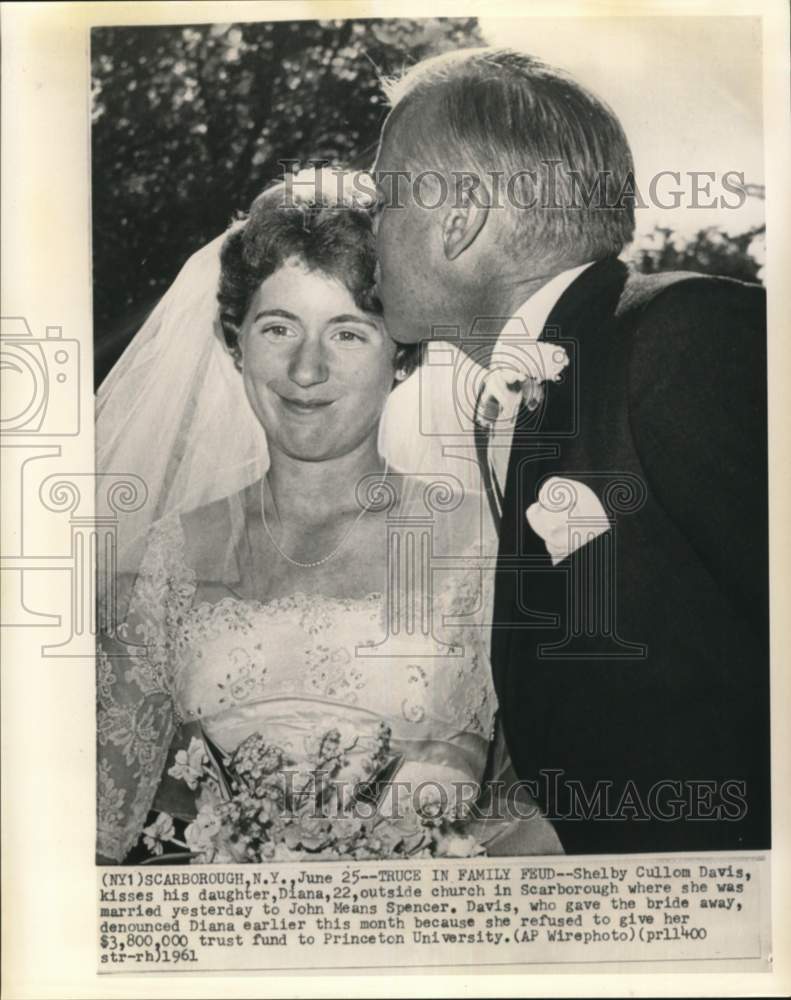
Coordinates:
<point>308,364</point>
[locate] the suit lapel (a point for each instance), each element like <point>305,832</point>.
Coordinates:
<point>544,440</point>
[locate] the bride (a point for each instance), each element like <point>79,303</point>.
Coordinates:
<point>288,577</point>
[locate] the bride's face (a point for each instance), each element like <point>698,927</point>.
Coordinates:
<point>317,370</point>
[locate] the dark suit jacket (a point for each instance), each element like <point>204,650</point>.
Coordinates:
<point>633,677</point>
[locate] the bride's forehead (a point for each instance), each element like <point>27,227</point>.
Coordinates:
<point>311,295</point>
<point>312,287</point>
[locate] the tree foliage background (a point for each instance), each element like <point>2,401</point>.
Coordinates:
<point>190,123</point>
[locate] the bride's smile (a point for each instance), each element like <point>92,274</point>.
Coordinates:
<point>317,369</point>
<point>305,406</point>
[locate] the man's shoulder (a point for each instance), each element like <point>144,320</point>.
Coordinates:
<point>684,326</point>
<point>665,294</point>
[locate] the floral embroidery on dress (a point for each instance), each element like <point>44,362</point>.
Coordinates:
<point>110,799</point>
<point>333,673</point>
<point>209,621</point>
<point>248,681</point>
<point>105,676</point>
<point>413,706</point>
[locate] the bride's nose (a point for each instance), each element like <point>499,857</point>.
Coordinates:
<point>308,364</point>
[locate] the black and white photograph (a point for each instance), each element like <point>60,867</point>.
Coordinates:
<point>454,476</point>
<point>419,556</point>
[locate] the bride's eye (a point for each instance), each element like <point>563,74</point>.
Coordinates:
<point>276,331</point>
<point>349,337</point>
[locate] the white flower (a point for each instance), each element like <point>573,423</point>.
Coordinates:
<point>534,362</point>
<point>566,516</point>
<point>189,763</point>
<point>544,361</point>
<point>333,187</point>
<point>456,845</point>
<point>161,829</point>
<point>283,853</point>
<point>200,834</point>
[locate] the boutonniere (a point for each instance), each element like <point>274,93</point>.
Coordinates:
<point>566,516</point>
<point>535,363</point>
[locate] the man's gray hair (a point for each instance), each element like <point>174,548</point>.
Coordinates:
<point>564,159</point>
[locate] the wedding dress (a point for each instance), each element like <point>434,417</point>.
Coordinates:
<point>299,665</point>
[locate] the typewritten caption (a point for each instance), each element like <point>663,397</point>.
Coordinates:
<point>444,912</point>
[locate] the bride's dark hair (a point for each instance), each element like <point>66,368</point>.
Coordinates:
<point>336,239</point>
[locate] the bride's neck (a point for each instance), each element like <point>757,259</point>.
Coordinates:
<point>316,491</point>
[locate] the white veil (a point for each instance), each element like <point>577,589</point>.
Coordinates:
<point>173,413</point>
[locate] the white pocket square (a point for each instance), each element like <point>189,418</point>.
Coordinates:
<point>566,516</point>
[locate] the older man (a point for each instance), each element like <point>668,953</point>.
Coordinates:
<point>621,431</point>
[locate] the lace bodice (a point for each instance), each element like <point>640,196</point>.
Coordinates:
<point>292,667</point>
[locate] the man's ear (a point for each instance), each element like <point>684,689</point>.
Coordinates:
<point>464,222</point>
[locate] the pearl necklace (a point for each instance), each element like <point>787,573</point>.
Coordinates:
<point>335,551</point>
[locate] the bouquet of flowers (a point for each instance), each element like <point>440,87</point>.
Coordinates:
<point>260,803</point>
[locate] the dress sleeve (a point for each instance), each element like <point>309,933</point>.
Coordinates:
<point>136,716</point>
<point>467,537</point>
<point>465,551</point>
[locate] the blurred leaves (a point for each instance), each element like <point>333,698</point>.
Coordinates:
<point>189,124</point>
<point>709,251</point>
